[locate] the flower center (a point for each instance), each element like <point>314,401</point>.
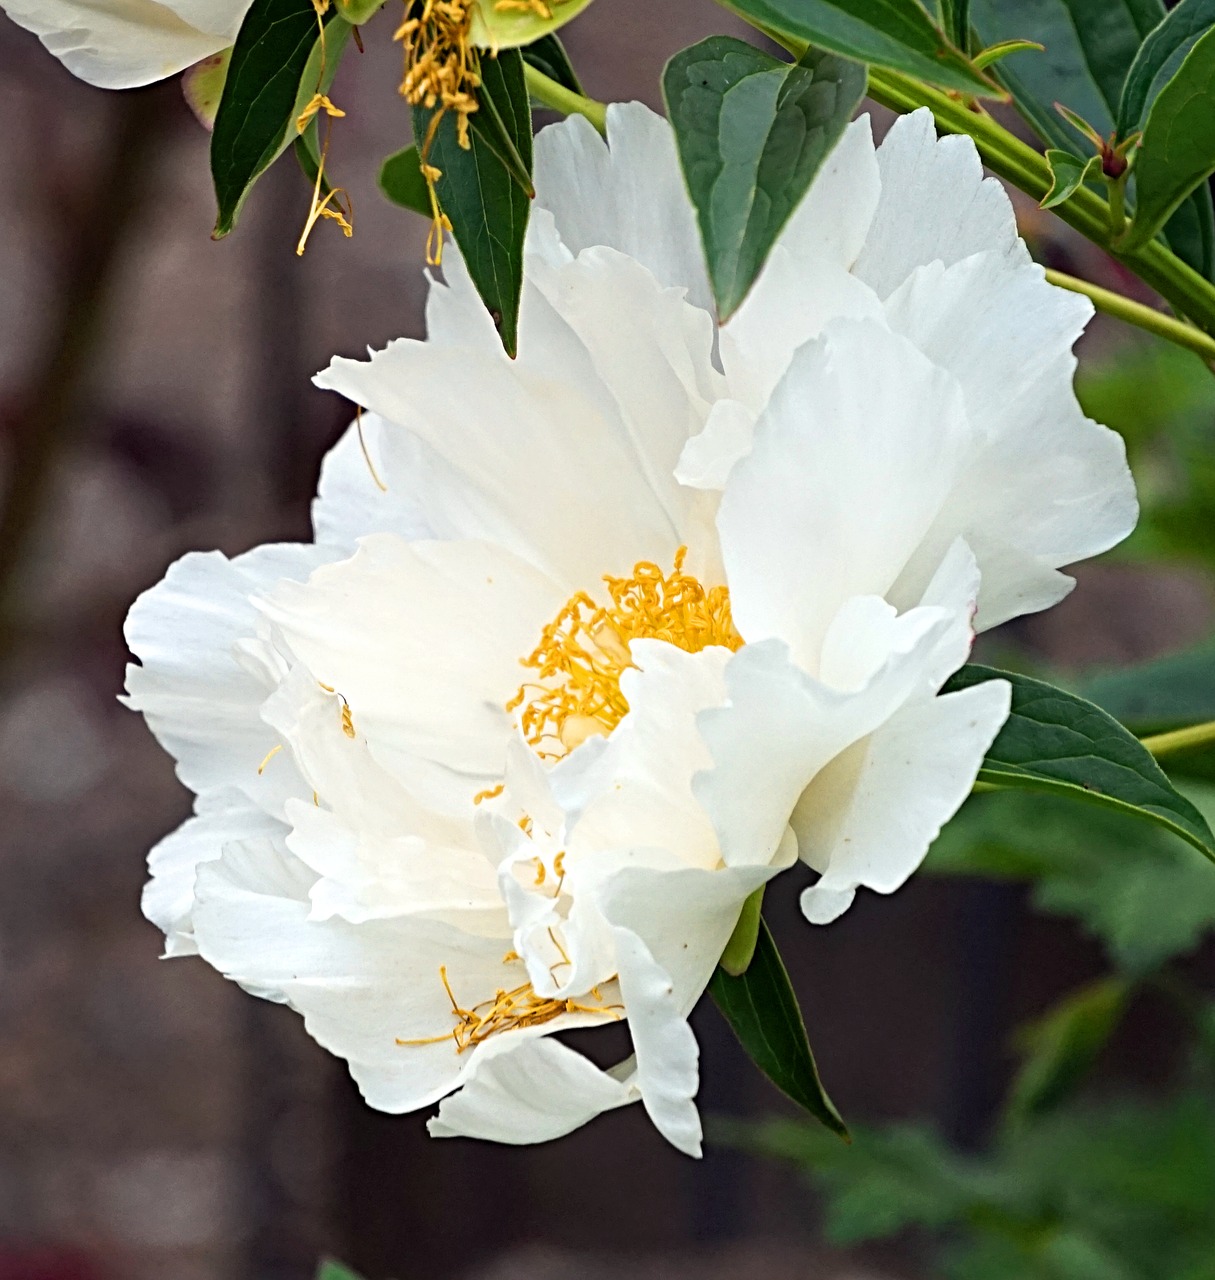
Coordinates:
<point>585,648</point>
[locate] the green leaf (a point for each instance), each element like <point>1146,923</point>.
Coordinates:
<point>1062,1045</point>
<point>330,1270</point>
<point>897,34</point>
<point>548,55</point>
<point>487,207</point>
<point>761,1007</point>
<point>1178,148</point>
<point>1068,174</point>
<point>509,27</point>
<point>359,11</point>
<point>955,19</point>
<point>402,182</point>
<point>1146,895</point>
<point>1057,741</point>
<point>278,63</point>
<point>1158,60</point>
<point>1090,48</point>
<point>752,133</point>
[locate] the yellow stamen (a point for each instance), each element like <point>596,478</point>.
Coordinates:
<point>442,74</point>
<point>358,421</point>
<point>584,650</point>
<point>507,1011</point>
<point>261,768</point>
<point>490,793</point>
<point>331,206</point>
<point>541,871</point>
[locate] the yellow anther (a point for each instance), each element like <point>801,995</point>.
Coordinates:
<point>490,793</point>
<point>541,871</point>
<point>584,650</point>
<point>559,864</point>
<point>261,768</point>
<point>507,1011</point>
<point>511,957</point>
<point>320,102</point>
<point>347,720</point>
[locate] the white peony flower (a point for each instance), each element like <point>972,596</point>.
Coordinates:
<point>594,642</point>
<point>119,44</point>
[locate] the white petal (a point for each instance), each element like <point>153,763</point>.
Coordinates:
<point>580,435</point>
<point>852,461</point>
<point>935,206</point>
<point>361,988</point>
<point>533,1091</point>
<point>423,642</point>
<point>350,503</point>
<point>200,700</point>
<point>869,816</point>
<point>168,897</point>
<point>806,281</point>
<point>708,458</point>
<point>642,780</point>
<point>781,727</point>
<point>667,1054</point>
<point>119,44</point>
<point>1006,335</point>
<point>627,194</point>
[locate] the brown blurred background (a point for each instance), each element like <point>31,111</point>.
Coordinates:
<point>156,1123</point>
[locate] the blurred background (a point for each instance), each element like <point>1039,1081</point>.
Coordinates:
<point>157,1124</point>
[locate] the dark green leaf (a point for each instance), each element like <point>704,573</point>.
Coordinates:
<point>1090,48</point>
<point>548,55</point>
<point>752,133</point>
<point>402,182</point>
<point>1158,60</point>
<point>1057,741</point>
<point>761,1007</point>
<point>1141,891</point>
<point>487,207</point>
<point>891,33</point>
<point>1068,174</point>
<point>330,1270</point>
<point>1178,148</point>
<point>278,63</point>
<point>955,19</point>
<point>1061,1046</point>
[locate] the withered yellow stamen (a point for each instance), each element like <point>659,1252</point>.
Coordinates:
<point>584,650</point>
<point>490,793</point>
<point>507,1011</point>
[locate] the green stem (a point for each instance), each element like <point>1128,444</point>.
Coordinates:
<point>547,90</point>
<point>1163,745</point>
<point>1117,190</point>
<point>1136,313</point>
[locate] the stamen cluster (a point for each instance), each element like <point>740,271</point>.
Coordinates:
<point>584,650</point>
<point>507,1011</point>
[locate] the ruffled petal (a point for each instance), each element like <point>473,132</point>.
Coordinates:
<point>852,461</point>
<point>782,727</point>
<point>353,499</point>
<point>935,206</point>
<point>627,193</point>
<point>120,44</point>
<point>220,818</point>
<point>667,1054</point>
<point>1006,335</point>
<point>533,1091</point>
<point>199,694</point>
<point>870,815</point>
<point>806,281</point>
<point>580,435</point>
<point>422,642</point>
